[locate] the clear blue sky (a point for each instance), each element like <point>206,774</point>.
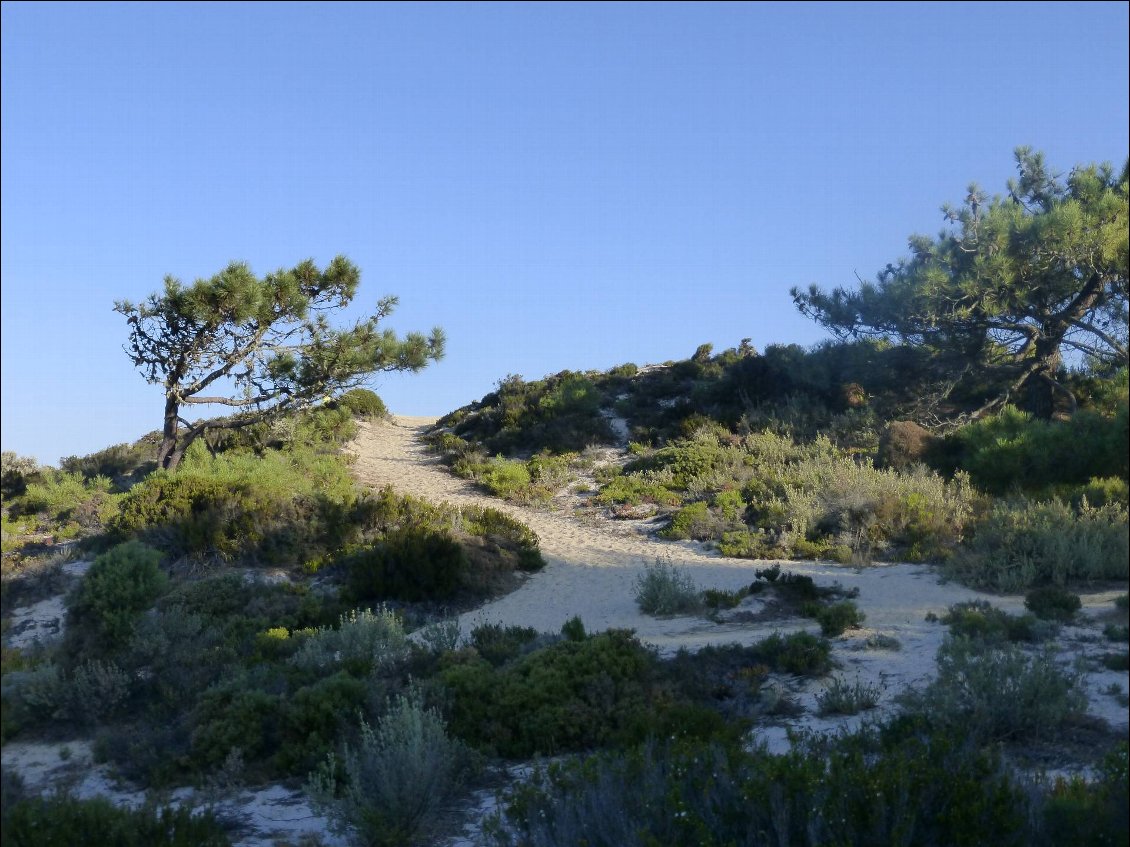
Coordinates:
<point>558,186</point>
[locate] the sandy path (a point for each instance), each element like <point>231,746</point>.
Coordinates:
<point>592,568</point>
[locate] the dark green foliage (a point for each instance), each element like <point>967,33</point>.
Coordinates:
<point>993,692</point>
<point>15,473</point>
<point>408,564</point>
<point>573,695</point>
<point>979,619</point>
<point>1021,544</point>
<point>363,403</point>
<point>1116,661</point>
<point>313,718</point>
<point>1116,632</point>
<point>233,716</point>
<point>866,789</point>
<point>62,821</point>
<point>499,645</point>
<point>801,653</point>
<point>573,629</point>
<point>1013,451</point>
<point>983,300</point>
<point>275,507</point>
<point>1052,603</point>
<point>1091,814</point>
<point>838,617</point>
<point>120,585</point>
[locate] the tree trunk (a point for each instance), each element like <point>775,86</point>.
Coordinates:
<point>168,456</point>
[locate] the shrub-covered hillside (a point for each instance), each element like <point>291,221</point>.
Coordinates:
<point>802,454</point>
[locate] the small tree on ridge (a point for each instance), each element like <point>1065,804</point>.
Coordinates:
<point>260,346</point>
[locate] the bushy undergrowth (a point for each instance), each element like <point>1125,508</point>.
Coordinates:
<point>764,496</point>
<point>865,789</point>
<point>1011,451</point>
<point>1019,544</point>
<point>572,695</point>
<point>63,821</point>
<point>121,584</point>
<point>996,692</point>
<point>979,619</point>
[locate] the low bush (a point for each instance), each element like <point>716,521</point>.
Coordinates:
<point>278,506</point>
<point>363,641</point>
<point>1053,603</point>
<point>499,645</point>
<point>859,789</point>
<point>997,693</point>
<point>363,403</point>
<point>1023,544</point>
<point>837,618</point>
<point>16,472</point>
<point>407,564</point>
<point>121,584</point>
<point>1011,450</point>
<point>122,463</point>
<point>843,698</point>
<point>389,786</point>
<point>664,589</point>
<point>63,821</point>
<point>571,695</point>
<point>980,620</point>
<point>800,653</point>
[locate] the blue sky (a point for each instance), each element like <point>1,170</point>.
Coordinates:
<point>558,186</point>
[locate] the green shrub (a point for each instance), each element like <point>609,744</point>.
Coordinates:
<point>996,693</point>
<point>122,463</point>
<point>63,821</point>
<point>843,698</point>
<point>363,403</point>
<point>695,521</point>
<point>571,695</point>
<point>275,507</point>
<point>15,473</point>
<point>499,645</point>
<point>800,653</point>
<point>1011,450</point>
<point>838,617</point>
<point>861,789</point>
<point>663,589</point>
<point>980,620</point>
<point>408,564</point>
<point>232,716</point>
<point>714,598</point>
<point>1021,544</point>
<point>363,641</point>
<point>121,584</point>
<point>68,501</point>
<point>392,783</point>
<point>1116,661</point>
<point>313,718</point>
<point>1053,603</point>
<point>506,478</point>
<point>1090,813</point>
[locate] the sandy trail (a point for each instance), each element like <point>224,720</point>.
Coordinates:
<point>592,568</point>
